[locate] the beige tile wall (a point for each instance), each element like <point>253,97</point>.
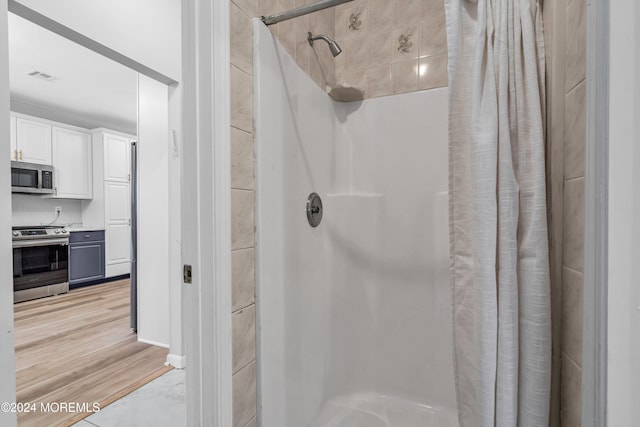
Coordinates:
<point>242,214</point>
<point>566,44</point>
<point>388,46</point>
<point>573,238</point>
<point>391,46</point>
<point>316,61</point>
<point>553,16</point>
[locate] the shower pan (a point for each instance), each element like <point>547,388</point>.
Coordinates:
<point>354,311</point>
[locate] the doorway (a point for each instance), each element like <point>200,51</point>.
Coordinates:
<point>156,194</point>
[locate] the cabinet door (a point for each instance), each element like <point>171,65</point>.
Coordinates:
<point>73,164</point>
<point>86,262</point>
<point>14,143</point>
<point>117,202</point>
<point>33,141</point>
<point>118,243</point>
<point>116,158</point>
<point>118,231</point>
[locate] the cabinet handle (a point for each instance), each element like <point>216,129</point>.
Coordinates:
<point>20,154</point>
<point>55,191</point>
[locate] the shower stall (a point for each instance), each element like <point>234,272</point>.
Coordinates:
<point>354,314</point>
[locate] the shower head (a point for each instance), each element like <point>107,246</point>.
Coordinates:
<point>333,46</point>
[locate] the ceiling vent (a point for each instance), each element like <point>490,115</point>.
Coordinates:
<point>40,75</point>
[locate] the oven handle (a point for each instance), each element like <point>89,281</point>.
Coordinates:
<point>34,243</point>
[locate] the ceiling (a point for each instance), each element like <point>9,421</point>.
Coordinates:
<point>88,90</point>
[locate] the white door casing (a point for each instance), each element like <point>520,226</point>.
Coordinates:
<point>7,362</point>
<point>206,211</point>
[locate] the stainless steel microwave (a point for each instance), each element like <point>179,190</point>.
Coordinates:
<point>31,178</point>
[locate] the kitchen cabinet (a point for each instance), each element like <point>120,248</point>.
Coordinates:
<point>117,149</point>
<point>110,207</point>
<point>86,257</point>
<point>72,160</point>
<point>117,227</point>
<point>33,141</point>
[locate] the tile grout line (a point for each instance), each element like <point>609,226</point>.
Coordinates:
<point>573,270</point>
<point>243,308</point>
<point>251,420</point>
<point>254,360</point>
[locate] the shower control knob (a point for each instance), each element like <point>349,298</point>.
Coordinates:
<point>16,233</point>
<point>314,209</point>
<point>57,231</point>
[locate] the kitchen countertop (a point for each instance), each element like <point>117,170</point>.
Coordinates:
<point>84,229</point>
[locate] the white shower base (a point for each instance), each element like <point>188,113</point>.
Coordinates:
<point>376,410</point>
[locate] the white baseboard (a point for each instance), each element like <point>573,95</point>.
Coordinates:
<point>157,344</point>
<point>176,361</point>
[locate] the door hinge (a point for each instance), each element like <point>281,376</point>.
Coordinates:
<point>187,273</point>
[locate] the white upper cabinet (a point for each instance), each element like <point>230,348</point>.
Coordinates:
<point>33,141</point>
<point>72,161</point>
<point>116,157</point>
<point>14,143</point>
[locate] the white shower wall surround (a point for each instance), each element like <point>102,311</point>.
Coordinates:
<point>354,316</point>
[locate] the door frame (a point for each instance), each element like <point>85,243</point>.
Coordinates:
<point>7,353</point>
<point>206,210</point>
<point>205,206</point>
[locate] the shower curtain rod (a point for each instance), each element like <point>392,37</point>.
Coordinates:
<point>302,10</point>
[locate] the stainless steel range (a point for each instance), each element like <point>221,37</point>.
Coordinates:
<point>40,262</point>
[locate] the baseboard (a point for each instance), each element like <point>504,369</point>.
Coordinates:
<point>98,281</point>
<point>176,361</point>
<point>157,344</point>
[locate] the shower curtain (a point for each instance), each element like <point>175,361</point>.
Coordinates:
<point>498,218</point>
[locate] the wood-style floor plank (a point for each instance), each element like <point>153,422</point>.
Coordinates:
<point>78,348</point>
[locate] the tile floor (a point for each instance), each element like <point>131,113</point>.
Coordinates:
<point>159,403</point>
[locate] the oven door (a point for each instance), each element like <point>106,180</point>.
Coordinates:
<point>40,263</point>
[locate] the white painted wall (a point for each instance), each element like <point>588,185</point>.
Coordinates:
<point>35,210</point>
<point>147,31</point>
<point>7,366</point>
<point>153,212</point>
<point>624,215</point>
<point>176,349</point>
<point>359,307</point>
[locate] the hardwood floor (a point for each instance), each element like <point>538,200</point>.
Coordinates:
<point>78,348</point>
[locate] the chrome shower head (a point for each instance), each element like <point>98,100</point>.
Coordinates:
<point>333,46</point>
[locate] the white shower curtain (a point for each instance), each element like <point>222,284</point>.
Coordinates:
<point>498,217</point>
